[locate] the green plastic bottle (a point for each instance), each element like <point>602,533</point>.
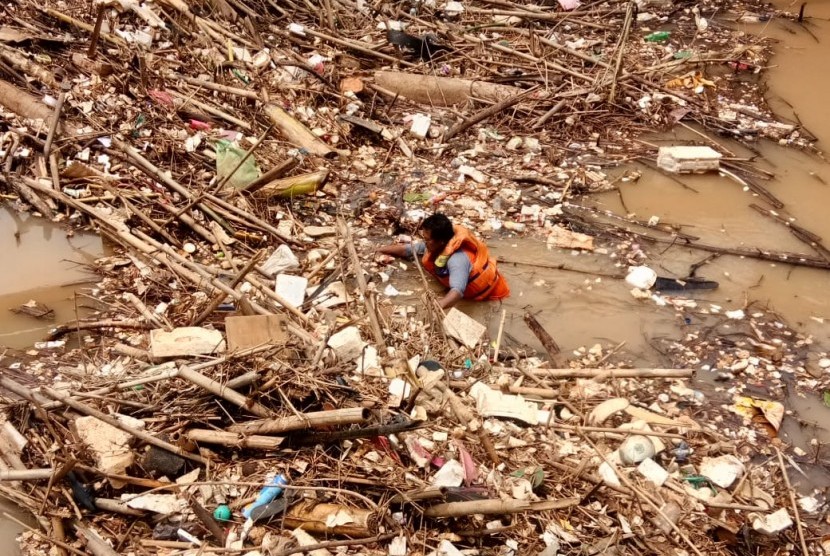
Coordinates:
<point>658,36</point>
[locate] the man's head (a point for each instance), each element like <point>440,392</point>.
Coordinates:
<point>437,231</point>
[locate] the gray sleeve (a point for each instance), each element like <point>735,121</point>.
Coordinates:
<point>420,249</point>
<point>459,266</point>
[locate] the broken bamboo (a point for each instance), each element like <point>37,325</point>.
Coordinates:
<point>224,392</point>
<point>608,373</point>
<point>26,474</point>
<point>322,518</point>
<point>286,188</point>
<point>234,440</point>
<point>497,507</point>
<point>296,133</point>
<point>315,420</point>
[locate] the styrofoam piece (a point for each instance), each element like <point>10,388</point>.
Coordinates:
<point>684,159</point>
<point>291,288</point>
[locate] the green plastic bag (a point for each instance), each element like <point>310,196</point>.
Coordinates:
<point>228,156</point>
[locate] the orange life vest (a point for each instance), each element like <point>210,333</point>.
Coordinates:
<point>485,281</point>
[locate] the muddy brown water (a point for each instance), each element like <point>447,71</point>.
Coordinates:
<point>577,309</point>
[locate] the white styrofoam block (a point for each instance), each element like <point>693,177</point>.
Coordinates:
<point>186,340</point>
<point>420,125</point>
<point>466,330</point>
<point>347,344</point>
<point>683,158</point>
<point>291,288</point>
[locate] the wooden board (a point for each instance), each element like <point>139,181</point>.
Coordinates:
<point>245,332</point>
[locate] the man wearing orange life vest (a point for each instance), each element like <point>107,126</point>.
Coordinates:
<point>457,259</point>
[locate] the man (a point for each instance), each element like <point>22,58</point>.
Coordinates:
<point>457,259</point>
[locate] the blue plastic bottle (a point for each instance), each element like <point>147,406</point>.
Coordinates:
<point>267,494</point>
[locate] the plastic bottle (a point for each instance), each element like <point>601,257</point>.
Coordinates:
<point>658,36</point>
<point>267,494</point>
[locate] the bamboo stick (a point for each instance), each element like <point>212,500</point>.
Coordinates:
<point>112,39</point>
<point>607,373</point>
<point>629,14</point>
<point>26,474</point>
<point>185,100</point>
<point>496,507</point>
<point>301,184</point>
<point>482,115</point>
<point>217,300</point>
<point>296,133</point>
<point>215,86</point>
<point>94,543</point>
<point>305,421</point>
<point>34,69</point>
<point>377,331</point>
<point>274,173</point>
<point>316,519</point>
<point>234,440</point>
<point>224,392</point>
<point>548,393</point>
<point>117,507</point>
<point>793,503</point>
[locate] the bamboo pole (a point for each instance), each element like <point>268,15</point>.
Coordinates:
<point>793,504</point>
<point>117,507</point>
<point>548,393</point>
<point>605,373</point>
<point>274,173</point>
<point>26,474</point>
<point>224,392</point>
<point>296,133</point>
<point>234,440</point>
<point>301,184</point>
<point>377,331</point>
<point>215,86</point>
<point>497,507</point>
<point>315,420</point>
<point>317,518</point>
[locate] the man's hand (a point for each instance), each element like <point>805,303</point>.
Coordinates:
<point>397,250</point>
<point>449,300</point>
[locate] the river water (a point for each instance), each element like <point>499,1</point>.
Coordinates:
<point>578,309</point>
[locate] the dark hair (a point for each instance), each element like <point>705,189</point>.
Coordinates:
<point>439,226</point>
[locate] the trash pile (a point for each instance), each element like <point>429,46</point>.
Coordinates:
<point>245,386</point>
